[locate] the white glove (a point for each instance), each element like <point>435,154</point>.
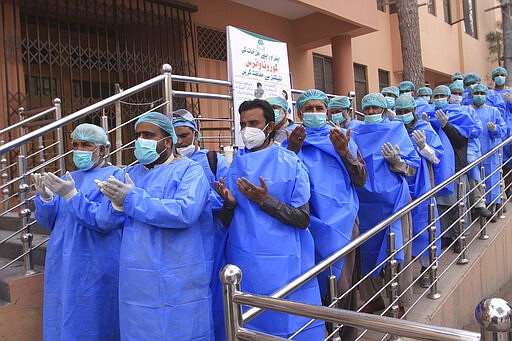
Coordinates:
<point>491,126</point>
<point>44,193</point>
<point>390,114</point>
<point>442,118</point>
<point>64,188</point>
<point>115,190</point>
<point>425,117</point>
<point>508,97</point>
<point>420,138</point>
<point>390,153</point>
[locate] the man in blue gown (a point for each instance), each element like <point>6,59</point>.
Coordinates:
<point>82,257</point>
<point>429,147</point>
<point>455,122</point>
<point>495,129</point>
<point>215,167</point>
<point>390,157</point>
<point>167,247</point>
<point>339,112</point>
<point>333,203</point>
<point>266,209</point>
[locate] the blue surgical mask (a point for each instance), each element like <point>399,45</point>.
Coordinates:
<point>406,118</point>
<point>83,159</point>
<point>426,98</point>
<point>277,116</point>
<point>371,119</point>
<point>478,100</point>
<point>390,101</point>
<point>338,118</point>
<point>314,120</point>
<point>499,80</point>
<point>145,151</point>
<point>459,81</point>
<point>472,86</point>
<point>440,103</point>
<point>407,93</point>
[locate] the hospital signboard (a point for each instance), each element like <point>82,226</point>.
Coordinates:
<point>257,68</point>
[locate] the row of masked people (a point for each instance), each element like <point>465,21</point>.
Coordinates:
<point>135,253</point>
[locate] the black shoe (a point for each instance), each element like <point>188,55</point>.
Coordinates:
<point>445,243</point>
<point>483,212</point>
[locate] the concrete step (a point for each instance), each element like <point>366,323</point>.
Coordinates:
<point>12,272</point>
<point>13,248</point>
<point>12,222</point>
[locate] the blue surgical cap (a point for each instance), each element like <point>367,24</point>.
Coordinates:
<point>159,120</point>
<point>311,94</point>
<point>405,102</point>
<point>183,118</point>
<point>340,102</point>
<point>442,90</point>
<point>374,100</point>
<point>91,133</point>
<point>472,77</point>
<point>479,88</point>
<point>424,91</point>
<point>406,86</point>
<point>278,101</point>
<point>457,75</point>
<point>500,69</point>
<point>391,90</point>
<point>456,86</point>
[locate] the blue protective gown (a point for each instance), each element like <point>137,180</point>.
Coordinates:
<point>461,117</point>
<point>82,262</point>
<point>270,253</point>
<point>333,204</point>
<point>419,184</point>
<point>507,150</point>
<point>221,235</point>
<point>489,140</point>
<point>166,254</point>
<point>385,192</point>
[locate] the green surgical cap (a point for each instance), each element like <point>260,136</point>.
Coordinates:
<point>340,102</point>
<point>424,91</point>
<point>311,94</point>
<point>91,133</point>
<point>405,102</point>
<point>159,120</point>
<point>472,77</point>
<point>500,69</point>
<point>391,90</point>
<point>374,100</point>
<point>406,86</point>
<point>456,86</point>
<point>457,75</point>
<point>278,102</point>
<point>480,88</point>
<point>442,90</point>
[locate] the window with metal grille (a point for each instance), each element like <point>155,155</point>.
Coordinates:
<point>322,66</point>
<point>380,5</point>
<point>431,6</point>
<point>211,43</point>
<point>361,82</point>
<point>469,8</point>
<point>383,78</point>
<point>447,12</point>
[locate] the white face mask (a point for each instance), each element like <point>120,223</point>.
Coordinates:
<point>253,137</point>
<point>188,150</point>
<point>455,99</point>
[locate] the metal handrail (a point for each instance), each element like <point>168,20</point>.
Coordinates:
<point>30,119</point>
<point>416,330</point>
<point>80,113</point>
<point>359,240</point>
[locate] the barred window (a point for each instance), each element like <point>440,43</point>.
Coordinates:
<point>211,43</point>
